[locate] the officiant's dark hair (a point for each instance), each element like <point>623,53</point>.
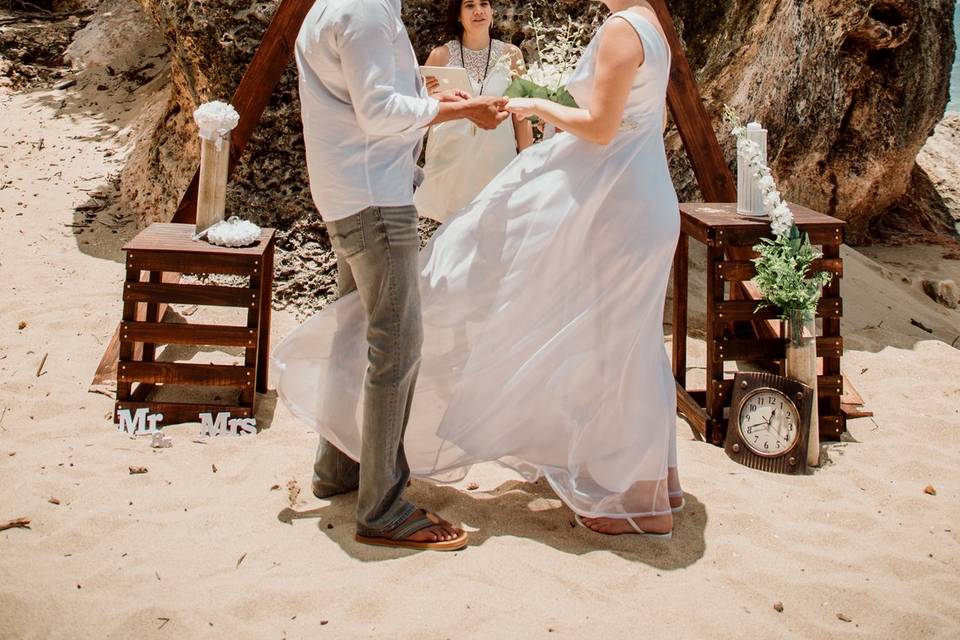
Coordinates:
<point>455,28</point>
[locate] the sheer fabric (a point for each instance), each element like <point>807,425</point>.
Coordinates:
<point>542,309</point>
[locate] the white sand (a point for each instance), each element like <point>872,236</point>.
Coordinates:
<point>158,555</point>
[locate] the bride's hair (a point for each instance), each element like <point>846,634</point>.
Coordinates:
<point>454,26</point>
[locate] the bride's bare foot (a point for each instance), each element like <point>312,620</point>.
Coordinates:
<point>676,502</point>
<point>616,526</point>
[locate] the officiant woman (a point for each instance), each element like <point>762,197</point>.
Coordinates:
<point>461,159</point>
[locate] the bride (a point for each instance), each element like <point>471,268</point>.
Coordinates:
<point>542,304</point>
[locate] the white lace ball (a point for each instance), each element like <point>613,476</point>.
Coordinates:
<point>233,233</point>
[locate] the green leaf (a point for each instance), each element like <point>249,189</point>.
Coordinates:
<point>562,96</point>
<point>521,88</point>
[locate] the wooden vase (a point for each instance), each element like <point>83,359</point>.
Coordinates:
<point>212,194</point>
<point>800,332</point>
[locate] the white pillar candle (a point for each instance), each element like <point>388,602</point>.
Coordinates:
<point>749,195</point>
<point>216,121</point>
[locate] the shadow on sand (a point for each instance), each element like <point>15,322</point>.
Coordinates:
<point>517,509</point>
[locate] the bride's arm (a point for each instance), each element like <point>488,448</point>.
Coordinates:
<point>523,129</point>
<point>619,56</point>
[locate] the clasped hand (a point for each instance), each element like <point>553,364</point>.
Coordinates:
<point>487,112</point>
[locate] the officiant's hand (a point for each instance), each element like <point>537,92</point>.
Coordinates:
<point>451,95</point>
<point>487,112</point>
<point>432,84</point>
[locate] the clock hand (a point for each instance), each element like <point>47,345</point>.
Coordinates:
<point>750,428</point>
<point>777,425</point>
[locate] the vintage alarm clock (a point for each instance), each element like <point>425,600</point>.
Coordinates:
<point>769,422</point>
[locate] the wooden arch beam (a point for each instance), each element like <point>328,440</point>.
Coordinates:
<point>276,51</point>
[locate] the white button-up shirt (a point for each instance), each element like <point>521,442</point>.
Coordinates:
<point>365,109</point>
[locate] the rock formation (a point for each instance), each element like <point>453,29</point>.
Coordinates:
<point>849,89</point>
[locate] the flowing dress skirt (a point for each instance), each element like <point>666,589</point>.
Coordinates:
<point>543,347</point>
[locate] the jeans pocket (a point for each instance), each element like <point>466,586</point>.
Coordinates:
<point>347,236</point>
<point>400,226</point>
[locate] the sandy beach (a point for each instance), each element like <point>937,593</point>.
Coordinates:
<point>221,538</point>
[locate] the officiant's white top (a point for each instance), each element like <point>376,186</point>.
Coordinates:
<point>462,160</point>
<point>364,105</point>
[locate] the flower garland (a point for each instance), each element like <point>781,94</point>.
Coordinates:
<point>781,218</point>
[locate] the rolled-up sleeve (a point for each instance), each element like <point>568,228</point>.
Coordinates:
<point>366,47</point>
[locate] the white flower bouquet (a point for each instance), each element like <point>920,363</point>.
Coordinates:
<point>557,57</point>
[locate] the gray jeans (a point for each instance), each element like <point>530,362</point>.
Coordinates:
<point>378,256</point>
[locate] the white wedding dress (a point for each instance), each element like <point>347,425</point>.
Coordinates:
<point>542,308</point>
<point>462,159</point>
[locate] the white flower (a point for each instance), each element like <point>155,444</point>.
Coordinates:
<point>779,227</point>
<point>216,120</point>
<point>547,75</point>
<point>558,51</point>
<point>766,183</point>
<point>782,212</point>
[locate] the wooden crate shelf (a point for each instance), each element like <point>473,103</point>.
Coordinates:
<point>167,249</point>
<point>732,305</point>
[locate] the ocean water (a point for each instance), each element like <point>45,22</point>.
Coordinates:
<point>955,76</point>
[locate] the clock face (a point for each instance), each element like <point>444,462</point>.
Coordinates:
<point>769,422</point>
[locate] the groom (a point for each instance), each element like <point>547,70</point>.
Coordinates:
<point>365,111</point>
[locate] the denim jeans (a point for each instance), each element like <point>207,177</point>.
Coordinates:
<point>378,256</point>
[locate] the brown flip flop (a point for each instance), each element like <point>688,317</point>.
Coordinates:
<point>398,537</point>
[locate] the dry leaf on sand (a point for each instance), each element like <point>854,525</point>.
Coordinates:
<point>18,523</point>
<point>293,492</point>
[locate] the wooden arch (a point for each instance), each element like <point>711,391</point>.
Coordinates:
<point>271,60</point>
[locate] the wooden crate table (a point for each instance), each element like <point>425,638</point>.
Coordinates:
<point>165,250</point>
<point>732,301</point>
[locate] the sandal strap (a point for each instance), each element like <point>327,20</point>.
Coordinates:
<point>635,527</point>
<point>404,531</point>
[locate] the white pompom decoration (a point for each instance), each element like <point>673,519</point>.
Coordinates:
<point>216,120</point>
<point>233,233</point>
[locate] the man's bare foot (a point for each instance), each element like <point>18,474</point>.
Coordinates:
<point>616,526</point>
<point>442,532</point>
<point>676,502</point>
